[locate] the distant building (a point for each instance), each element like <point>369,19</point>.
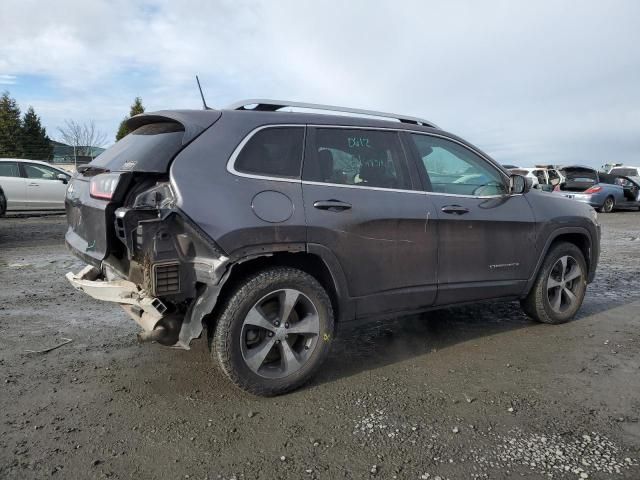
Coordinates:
<point>63,153</point>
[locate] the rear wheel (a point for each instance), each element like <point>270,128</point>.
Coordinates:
<point>3,204</point>
<point>607,206</point>
<point>559,290</point>
<point>274,332</point>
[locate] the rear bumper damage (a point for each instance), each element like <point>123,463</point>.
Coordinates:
<point>166,276</point>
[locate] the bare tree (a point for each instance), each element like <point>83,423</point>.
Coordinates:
<point>83,137</point>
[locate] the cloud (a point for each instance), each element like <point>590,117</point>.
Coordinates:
<point>528,82</point>
<point>7,79</point>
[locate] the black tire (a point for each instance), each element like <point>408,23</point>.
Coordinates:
<point>608,205</point>
<point>3,204</point>
<point>226,341</point>
<point>537,304</point>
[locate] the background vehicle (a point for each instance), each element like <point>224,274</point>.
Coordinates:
<point>544,178</point>
<point>32,185</point>
<point>625,171</point>
<point>600,190</point>
<point>271,227</point>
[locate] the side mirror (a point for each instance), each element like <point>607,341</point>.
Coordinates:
<point>519,184</point>
<point>63,178</point>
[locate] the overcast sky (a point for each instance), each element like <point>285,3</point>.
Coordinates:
<point>529,82</point>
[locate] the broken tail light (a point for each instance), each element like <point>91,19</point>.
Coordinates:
<point>591,190</point>
<point>158,197</point>
<point>104,185</point>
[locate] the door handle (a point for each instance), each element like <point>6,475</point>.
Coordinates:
<point>332,205</point>
<point>456,209</point>
<point>34,184</point>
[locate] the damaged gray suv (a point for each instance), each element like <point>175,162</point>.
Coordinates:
<point>270,228</point>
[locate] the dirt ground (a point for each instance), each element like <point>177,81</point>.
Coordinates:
<point>474,392</point>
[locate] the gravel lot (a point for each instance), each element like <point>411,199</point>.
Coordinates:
<point>474,392</point>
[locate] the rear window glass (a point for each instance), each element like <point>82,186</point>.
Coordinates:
<point>149,148</point>
<point>582,174</point>
<point>274,152</point>
<point>367,158</point>
<point>9,169</point>
<point>625,172</point>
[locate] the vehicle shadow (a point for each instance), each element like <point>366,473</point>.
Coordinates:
<point>35,213</point>
<point>368,346</point>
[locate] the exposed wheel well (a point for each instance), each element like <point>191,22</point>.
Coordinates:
<point>307,262</point>
<point>579,240</point>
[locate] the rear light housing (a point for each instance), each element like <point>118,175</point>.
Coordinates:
<point>104,185</point>
<point>591,190</point>
<point>156,198</point>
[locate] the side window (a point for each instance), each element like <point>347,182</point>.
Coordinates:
<point>455,169</point>
<point>273,152</point>
<point>40,172</point>
<point>367,158</point>
<point>9,169</point>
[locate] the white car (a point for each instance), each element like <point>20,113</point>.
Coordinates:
<point>544,178</point>
<point>31,185</point>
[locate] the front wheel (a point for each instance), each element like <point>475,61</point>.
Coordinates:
<point>274,331</point>
<point>559,289</point>
<point>607,206</point>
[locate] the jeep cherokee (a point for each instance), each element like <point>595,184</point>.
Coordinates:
<point>270,227</point>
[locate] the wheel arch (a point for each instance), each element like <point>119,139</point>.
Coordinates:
<point>316,261</point>
<point>578,236</point>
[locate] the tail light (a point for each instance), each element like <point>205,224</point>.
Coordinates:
<point>593,190</point>
<point>158,197</point>
<point>104,185</point>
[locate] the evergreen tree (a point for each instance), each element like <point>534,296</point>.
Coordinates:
<point>36,144</point>
<point>10,127</point>
<point>136,108</point>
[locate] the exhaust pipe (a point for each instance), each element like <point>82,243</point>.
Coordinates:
<point>165,332</point>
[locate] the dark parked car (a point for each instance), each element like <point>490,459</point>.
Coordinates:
<point>271,227</point>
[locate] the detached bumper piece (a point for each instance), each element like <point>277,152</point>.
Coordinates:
<point>148,312</point>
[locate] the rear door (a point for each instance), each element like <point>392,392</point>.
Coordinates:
<point>554,178</point>
<point>13,185</point>
<point>485,236</point>
<point>44,189</point>
<point>361,204</point>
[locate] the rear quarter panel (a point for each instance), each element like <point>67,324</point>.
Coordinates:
<point>220,203</point>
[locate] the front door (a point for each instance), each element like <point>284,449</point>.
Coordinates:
<point>44,189</point>
<point>486,236</point>
<point>360,203</point>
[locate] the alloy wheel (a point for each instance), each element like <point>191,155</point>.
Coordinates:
<point>279,334</point>
<point>563,284</point>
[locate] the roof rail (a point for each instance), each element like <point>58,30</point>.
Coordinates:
<point>265,105</point>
